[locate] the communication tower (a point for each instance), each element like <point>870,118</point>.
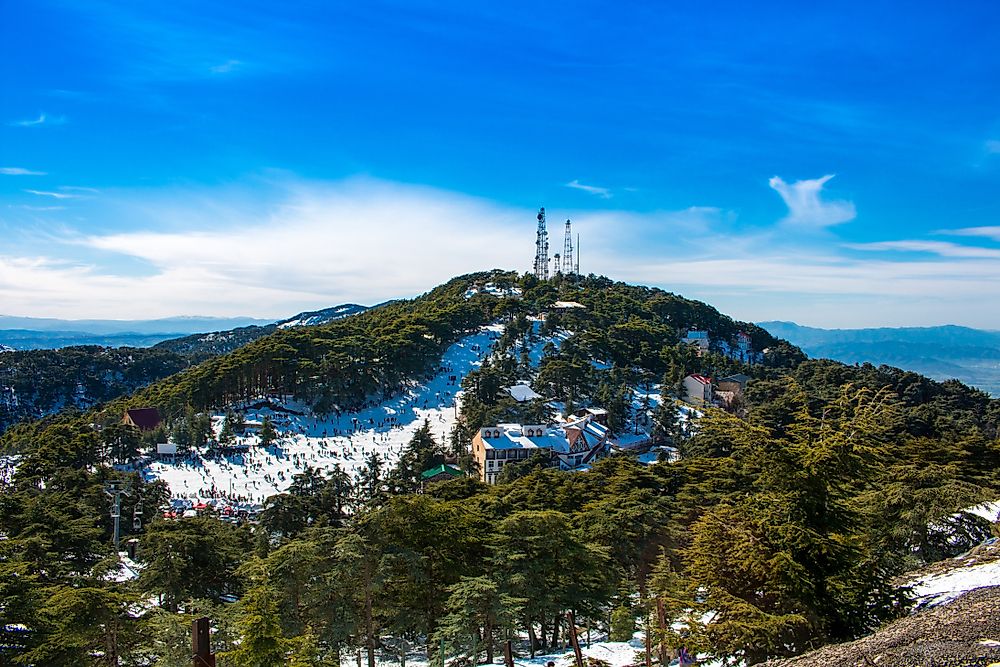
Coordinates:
<point>542,248</point>
<point>567,256</point>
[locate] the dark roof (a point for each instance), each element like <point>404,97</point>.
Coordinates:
<point>739,377</point>
<point>144,418</point>
<point>442,469</point>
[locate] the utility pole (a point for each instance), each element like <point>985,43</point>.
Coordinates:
<point>116,489</point>
<point>201,643</point>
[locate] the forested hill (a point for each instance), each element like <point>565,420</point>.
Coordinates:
<point>39,382</point>
<point>783,525</point>
<point>36,383</point>
<point>347,361</point>
<point>201,346</point>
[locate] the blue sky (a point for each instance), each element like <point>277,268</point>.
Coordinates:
<point>834,165</point>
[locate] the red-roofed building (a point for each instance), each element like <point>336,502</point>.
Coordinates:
<point>698,389</point>
<point>144,419</point>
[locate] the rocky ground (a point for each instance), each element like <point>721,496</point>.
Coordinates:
<point>962,633</point>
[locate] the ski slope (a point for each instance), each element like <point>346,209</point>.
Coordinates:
<point>347,439</point>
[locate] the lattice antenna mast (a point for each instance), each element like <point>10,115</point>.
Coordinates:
<point>542,248</point>
<point>567,256</point>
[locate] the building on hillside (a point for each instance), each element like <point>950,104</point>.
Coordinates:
<point>697,338</point>
<point>144,419</point>
<point>166,451</point>
<point>734,383</point>
<point>573,443</point>
<point>522,393</point>
<point>698,389</point>
<point>442,473</point>
<point>567,305</point>
<point>744,344</point>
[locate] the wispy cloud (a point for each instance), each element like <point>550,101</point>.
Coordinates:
<point>940,248</point>
<point>20,171</point>
<point>28,207</point>
<point>992,232</point>
<point>43,119</point>
<point>226,67</point>
<point>54,195</point>
<point>806,208</point>
<point>993,146</point>
<point>596,190</point>
<point>78,188</point>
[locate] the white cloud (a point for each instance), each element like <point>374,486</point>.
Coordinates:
<point>992,232</point>
<point>226,67</point>
<point>54,195</point>
<point>271,249</point>
<point>941,248</point>
<point>993,146</point>
<point>596,190</point>
<point>43,119</point>
<point>315,245</point>
<point>806,209</point>
<point>19,171</point>
<point>78,188</point>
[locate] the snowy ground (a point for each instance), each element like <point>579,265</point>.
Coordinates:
<point>940,588</point>
<point>616,654</point>
<point>944,581</point>
<point>347,439</point>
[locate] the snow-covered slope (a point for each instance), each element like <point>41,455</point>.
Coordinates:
<point>348,438</point>
<point>344,439</point>
<point>942,582</point>
<point>317,317</point>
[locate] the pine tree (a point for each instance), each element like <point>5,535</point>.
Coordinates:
<point>371,482</point>
<point>267,432</point>
<point>421,453</point>
<point>258,624</point>
<point>479,613</point>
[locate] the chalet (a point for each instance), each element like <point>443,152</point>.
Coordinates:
<point>442,473</point>
<point>699,339</point>
<point>522,393</point>
<point>144,419</point>
<point>698,389</point>
<point>573,444</point>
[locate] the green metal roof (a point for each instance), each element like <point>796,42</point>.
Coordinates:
<point>449,470</point>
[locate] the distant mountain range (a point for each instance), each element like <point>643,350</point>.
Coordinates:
<point>31,333</point>
<point>941,353</point>
<point>174,325</point>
